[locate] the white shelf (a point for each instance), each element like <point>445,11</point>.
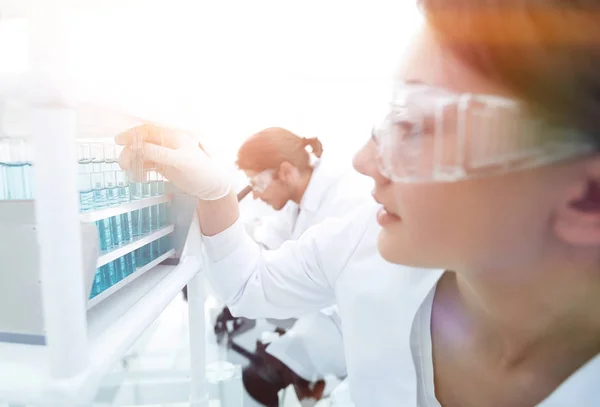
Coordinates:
<point>111,255</point>
<point>127,280</point>
<point>93,216</point>
<point>113,326</point>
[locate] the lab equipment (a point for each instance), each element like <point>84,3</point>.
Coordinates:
<point>112,189</point>
<point>86,193</point>
<point>97,153</point>
<point>123,185</point>
<point>84,158</point>
<point>104,234</point>
<point>16,174</point>
<point>99,188</point>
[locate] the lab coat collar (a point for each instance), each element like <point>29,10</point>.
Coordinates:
<point>323,177</point>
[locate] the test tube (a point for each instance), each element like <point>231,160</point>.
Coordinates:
<point>17,169</point>
<point>130,263</point>
<point>112,189</point>
<point>99,188</point>
<point>136,166</point>
<point>84,158</point>
<point>121,268</point>
<point>110,274</point>
<point>110,157</point>
<point>154,191</point>
<point>97,153</point>
<point>123,185</point>
<point>146,212</point>
<point>103,226</point>
<point>86,194</point>
<point>116,231</point>
<point>99,283</point>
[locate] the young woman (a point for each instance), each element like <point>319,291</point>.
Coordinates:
<point>488,175</point>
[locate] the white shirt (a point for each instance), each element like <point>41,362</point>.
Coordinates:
<point>332,191</point>
<point>337,261</point>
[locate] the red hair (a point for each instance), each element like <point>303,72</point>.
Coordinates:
<point>269,148</point>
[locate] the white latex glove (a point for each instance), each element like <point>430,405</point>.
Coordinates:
<point>177,157</point>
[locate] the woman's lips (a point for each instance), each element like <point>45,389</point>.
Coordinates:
<point>385,218</point>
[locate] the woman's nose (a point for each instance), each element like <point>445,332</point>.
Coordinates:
<point>365,162</point>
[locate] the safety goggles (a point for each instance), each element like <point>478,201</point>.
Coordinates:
<point>261,181</point>
<point>434,135</point>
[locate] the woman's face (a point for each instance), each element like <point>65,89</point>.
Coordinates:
<point>488,222</point>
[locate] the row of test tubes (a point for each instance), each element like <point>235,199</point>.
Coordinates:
<point>115,271</point>
<point>16,169</point>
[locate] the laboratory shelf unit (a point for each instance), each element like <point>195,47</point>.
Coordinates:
<point>112,327</point>
<point>82,339</point>
<point>127,280</point>
<point>113,254</point>
<point>109,212</point>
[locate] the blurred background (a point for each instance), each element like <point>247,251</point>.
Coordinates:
<point>227,69</point>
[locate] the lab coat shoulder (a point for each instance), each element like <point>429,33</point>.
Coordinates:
<point>297,278</point>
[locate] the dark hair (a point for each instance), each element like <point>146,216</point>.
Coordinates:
<point>269,148</point>
<point>547,52</point>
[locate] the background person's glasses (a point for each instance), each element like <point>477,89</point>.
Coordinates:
<point>261,181</point>
<point>434,135</point>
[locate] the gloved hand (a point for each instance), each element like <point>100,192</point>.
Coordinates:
<point>177,157</point>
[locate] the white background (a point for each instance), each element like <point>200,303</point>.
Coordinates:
<point>230,68</point>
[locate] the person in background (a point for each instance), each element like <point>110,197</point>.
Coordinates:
<point>305,188</point>
<point>487,175</point>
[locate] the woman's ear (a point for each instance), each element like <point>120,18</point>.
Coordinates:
<point>578,218</point>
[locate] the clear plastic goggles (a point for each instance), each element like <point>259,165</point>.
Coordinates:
<point>261,181</point>
<point>434,135</point>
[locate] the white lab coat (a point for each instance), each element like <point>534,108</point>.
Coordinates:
<point>313,348</point>
<point>332,191</point>
<point>337,261</point>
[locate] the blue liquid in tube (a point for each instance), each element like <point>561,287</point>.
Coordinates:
<point>100,197</point>
<point>113,196</point>
<point>136,223</point>
<point>17,179</point>
<point>104,233</point>
<point>130,263</point>
<point>135,189</point>
<point>110,274</point>
<point>86,200</point>
<point>99,284</point>
<point>116,231</point>
<point>124,194</point>
<point>155,217</point>
<point>126,227</point>
<point>121,268</point>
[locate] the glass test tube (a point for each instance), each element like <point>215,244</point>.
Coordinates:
<point>110,157</point>
<point>99,188</point>
<point>97,154</point>
<point>99,283</point>
<point>146,212</point>
<point>110,274</point>
<point>84,158</point>
<point>104,233</point>
<point>112,189</point>
<point>16,169</point>
<point>86,194</point>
